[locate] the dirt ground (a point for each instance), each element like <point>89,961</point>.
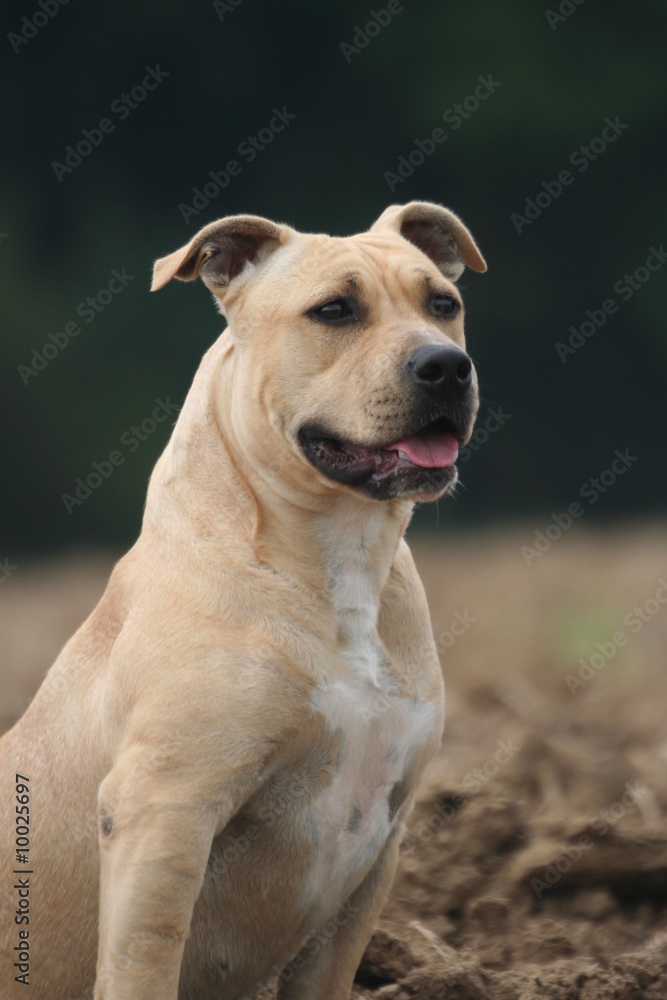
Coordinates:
<point>535,862</point>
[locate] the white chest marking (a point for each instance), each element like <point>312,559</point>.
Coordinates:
<point>353,576</point>
<point>353,816</point>
<point>379,732</point>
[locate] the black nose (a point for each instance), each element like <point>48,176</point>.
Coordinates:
<point>436,367</point>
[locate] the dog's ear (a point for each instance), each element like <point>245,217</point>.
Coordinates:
<point>437,232</point>
<point>220,251</point>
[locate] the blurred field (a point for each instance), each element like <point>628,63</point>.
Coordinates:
<point>535,864</point>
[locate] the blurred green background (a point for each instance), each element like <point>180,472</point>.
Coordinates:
<point>364,82</point>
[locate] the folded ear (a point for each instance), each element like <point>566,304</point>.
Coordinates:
<point>437,232</point>
<point>220,251</point>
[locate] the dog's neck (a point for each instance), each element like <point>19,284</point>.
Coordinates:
<point>343,557</point>
<point>336,545</point>
<point>360,546</point>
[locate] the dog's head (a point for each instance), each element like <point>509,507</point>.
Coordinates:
<point>351,370</point>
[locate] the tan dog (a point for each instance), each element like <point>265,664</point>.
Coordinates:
<point>218,767</point>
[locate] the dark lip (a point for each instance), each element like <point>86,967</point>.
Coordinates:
<point>376,468</point>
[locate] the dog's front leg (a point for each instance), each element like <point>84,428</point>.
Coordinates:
<point>325,967</point>
<point>155,839</point>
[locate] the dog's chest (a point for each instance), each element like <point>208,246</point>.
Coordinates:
<point>377,732</point>
<point>351,818</point>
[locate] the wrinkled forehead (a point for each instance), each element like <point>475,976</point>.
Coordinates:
<point>312,267</point>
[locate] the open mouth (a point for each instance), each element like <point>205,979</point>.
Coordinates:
<point>422,462</point>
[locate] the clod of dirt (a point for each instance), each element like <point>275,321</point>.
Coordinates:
<point>386,960</point>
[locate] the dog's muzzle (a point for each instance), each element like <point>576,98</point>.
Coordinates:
<point>422,460</point>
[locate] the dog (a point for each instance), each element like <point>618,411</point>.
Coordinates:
<point>212,782</point>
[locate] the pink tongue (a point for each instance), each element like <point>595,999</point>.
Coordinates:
<point>430,449</point>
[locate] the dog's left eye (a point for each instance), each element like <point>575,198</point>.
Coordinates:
<point>444,305</point>
<point>335,310</point>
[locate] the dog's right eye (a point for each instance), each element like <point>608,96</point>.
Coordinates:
<point>332,311</point>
